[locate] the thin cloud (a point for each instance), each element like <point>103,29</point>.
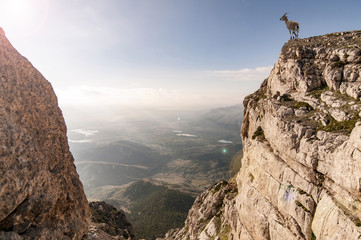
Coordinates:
<point>208,88</point>
<point>245,74</point>
<point>95,96</point>
<point>143,97</point>
<point>85,132</point>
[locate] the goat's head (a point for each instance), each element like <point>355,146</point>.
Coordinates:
<point>284,17</point>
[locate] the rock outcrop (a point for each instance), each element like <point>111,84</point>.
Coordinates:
<point>301,170</point>
<point>41,196</point>
<point>110,220</point>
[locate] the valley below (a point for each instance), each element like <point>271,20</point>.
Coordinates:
<point>171,153</point>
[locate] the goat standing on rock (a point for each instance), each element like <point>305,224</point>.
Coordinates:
<point>293,27</point>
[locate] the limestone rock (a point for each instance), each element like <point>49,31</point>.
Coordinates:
<point>207,213</point>
<point>331,100</point>
<point>301,178</point>
<point>339,115</point>
<point>95,233</point>
<point>352,89</point>
<point>331,223</point>
<point>308,64</point>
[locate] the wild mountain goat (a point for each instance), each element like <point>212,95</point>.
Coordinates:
<point>292,26</point>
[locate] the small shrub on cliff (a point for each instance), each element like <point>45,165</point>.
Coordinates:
<point>298,203</point>
<point>317,92</point>
<point>303,105</point>
<point>223,235</point>
<point>338,64</point>
<point>343,126</point>
<point>313,236</point>
<point>251,177</point>
<point>259,134</point>
<point>286,98</point>
<point>219,186</point>
<point>259,94</point>
<point>300,191</point>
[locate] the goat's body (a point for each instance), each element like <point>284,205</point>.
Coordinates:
<point>292,26</point>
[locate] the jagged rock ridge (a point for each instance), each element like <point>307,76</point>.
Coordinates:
<point>111,221</point>
<point>301,171</point>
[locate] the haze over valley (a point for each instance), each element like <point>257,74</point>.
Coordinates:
<point>189,151</point>
<point>184,152</point>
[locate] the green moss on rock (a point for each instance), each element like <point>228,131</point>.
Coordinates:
<point>259,134</point>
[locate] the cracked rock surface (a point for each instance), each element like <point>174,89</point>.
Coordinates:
<point>41,196</point>
<point>301,169</point>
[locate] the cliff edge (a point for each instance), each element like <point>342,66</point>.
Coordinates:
<point>301,170</point>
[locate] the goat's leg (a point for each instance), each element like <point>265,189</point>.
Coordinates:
<point>295,35</point>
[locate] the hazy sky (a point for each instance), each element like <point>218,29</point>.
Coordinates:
<point>162,52</point>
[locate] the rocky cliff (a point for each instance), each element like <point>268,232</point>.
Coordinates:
<point>301,171</point>
<point>41,196</point>
<point>110,220</point>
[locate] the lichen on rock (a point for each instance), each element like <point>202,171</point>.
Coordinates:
<point>301,131</point>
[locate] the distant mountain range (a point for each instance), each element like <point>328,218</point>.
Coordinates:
<point>226,118</point>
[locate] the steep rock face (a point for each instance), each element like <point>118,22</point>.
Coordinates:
<point>206,218</point>
<point>301,171</point>
<point>110,220</point>
<point>41,196</point>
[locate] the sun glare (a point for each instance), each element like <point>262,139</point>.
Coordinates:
<point>15,11</point>
<point>22,17</point>
<point>19,8</point>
